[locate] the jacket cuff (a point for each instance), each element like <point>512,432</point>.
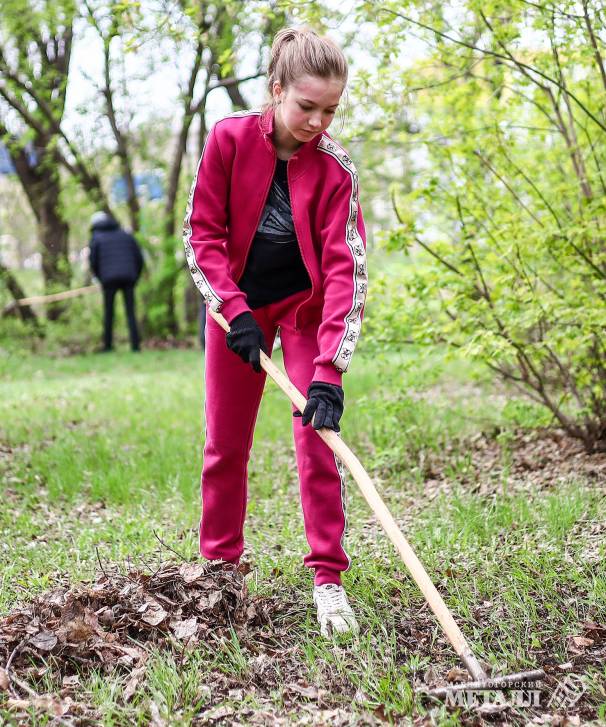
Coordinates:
<point>233,308</point>
<point>328,374</point>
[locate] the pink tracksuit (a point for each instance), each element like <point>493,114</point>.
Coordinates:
<point>319,327</point>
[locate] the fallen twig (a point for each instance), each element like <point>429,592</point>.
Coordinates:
<point>7,668</point>
<point>99,561</point>
<point>172,550</point>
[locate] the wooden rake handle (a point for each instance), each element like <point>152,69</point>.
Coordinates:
<point>414,565</point>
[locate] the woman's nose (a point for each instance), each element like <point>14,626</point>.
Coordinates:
<point>315,121</point>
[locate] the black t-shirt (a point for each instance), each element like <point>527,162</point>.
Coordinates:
<point>274,267</point>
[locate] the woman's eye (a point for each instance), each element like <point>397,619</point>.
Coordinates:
<point>310,108</point>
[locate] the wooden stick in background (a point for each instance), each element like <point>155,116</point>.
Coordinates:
<point>58,296</point>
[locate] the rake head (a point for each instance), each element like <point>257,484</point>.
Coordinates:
<point>481,680</point>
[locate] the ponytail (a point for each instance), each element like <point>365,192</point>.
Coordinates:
<point>298,52</point>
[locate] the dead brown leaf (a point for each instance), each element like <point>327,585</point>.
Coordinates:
<point>131,686</point>
<point>191,572</point>
<point>154,615</point>
<point>581,642</point>
<point>184,629</point>
<point>44,702</point>
<point>44,640</point>
<point>457,675</point>
<point>310,692</point>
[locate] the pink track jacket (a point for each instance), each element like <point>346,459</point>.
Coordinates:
<point>225,204</point>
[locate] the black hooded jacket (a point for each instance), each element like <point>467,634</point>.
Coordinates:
<point>115,255</point>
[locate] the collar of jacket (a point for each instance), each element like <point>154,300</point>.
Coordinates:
<point>307,148</point>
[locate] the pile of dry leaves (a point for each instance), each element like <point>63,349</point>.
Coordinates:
<point>112,623</point>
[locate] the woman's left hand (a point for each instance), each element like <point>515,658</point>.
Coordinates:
<point>325,401</point>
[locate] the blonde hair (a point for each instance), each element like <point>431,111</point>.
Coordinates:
<point>296,52</point>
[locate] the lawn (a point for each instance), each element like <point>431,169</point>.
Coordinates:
<point>100,458</point>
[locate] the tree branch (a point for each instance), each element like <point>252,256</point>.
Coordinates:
<point>582,171</point>
<point>12,284</point>
<point>538,6</point>
<point>595,157</point>
<point>524,359</point>
<point>507,57</point>
<point>90,180</point>
<point>232,81</point>
<point>526,177</point>
<point>121,140</point>
<point>568,380</point>
<point>594,45</point>
<point>513,193</point>
<point>424,245</point>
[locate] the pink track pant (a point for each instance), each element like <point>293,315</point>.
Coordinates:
<point>233,394</point>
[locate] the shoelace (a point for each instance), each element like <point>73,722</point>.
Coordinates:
<point>333,599</point>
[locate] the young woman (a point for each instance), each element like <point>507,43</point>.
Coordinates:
<point>274,238</point>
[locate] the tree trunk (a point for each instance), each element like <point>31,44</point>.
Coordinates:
<point>53,233</point>
<point>236,98</point>
<point>17,292</point>
<point>41,184</point>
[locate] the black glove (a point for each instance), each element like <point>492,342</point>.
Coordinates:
<point>326,402</point>
<point>246,339</point>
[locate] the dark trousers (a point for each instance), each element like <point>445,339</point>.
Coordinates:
<point>109,294</point>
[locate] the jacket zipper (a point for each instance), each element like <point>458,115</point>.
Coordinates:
<point>300,248</point>
<point>252,237</point>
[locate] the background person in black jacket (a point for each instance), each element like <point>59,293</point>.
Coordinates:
<point>116,260</point>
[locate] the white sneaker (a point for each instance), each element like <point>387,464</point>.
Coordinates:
<point>334,612</point>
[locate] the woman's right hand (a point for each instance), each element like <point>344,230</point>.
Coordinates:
<point>246,339</point>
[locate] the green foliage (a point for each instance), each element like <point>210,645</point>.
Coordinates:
<point>504,216</point>
<point>157,287</point>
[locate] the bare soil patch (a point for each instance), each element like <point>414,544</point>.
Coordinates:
<point>540,458</point>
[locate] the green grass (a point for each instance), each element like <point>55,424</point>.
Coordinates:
<point>100,452</point>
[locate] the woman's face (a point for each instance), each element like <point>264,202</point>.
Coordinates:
<point>307,107</point>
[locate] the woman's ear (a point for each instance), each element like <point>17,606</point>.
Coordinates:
<point>277,91</point>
